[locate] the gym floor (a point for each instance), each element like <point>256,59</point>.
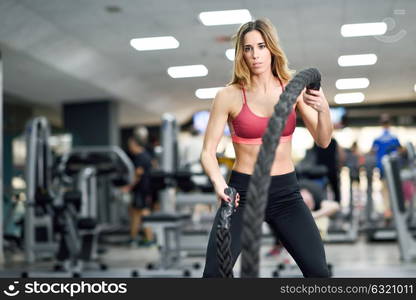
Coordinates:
<point>360,259</point>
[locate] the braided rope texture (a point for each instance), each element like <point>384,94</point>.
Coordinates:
<point>260,180</point>
<point>224,252</point>
<point>223,234</point>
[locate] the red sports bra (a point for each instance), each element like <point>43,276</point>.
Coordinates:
<point>248,128</point>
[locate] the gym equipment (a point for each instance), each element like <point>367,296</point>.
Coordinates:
<point>1,155</point>
<point>179,195</point>
<point>409,189</point>
<point>111,166</point>
<point>169,160</point>
<point>394,176</point>
<point>167,223</point>
<point>13,221</point>
<point>195,233</point>
<point>83,167</point>
<point>43,217</point>
<point>375,227</point>
<point>38,224</point>
<point>344,226</point>
<point>61,211</point>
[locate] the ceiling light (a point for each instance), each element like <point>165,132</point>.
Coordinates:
<point>363,29</point>
<point>349,98</point>
<point>352,83</point>
<point>209,93</point>
<point>357,60</point>
<point>230,53</point>
<point>414,88</point>
<point>154,43</point>
<point>225,17</point>
<point>187,71</point>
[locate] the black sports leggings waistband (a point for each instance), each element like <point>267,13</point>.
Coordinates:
<point>282,188</point>
<point>243,180</point>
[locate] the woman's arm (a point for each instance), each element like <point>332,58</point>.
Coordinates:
<point>314,110</point>
<point>215,129</point>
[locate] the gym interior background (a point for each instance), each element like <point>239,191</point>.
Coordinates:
<point>76,83</point>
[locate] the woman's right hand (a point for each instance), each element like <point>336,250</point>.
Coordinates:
<point>222,196</point>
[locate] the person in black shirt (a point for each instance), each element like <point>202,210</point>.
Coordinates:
<point>332,157</point>
<point>140,189</point>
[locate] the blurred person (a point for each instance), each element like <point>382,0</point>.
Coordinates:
<point>333,158</point>
<point>354,161</point>
<point>140,188</point>
<point>385,144</point>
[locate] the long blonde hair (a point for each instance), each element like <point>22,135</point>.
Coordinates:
<point>279,65</point>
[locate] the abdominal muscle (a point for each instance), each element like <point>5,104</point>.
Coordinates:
<point>246,157</point>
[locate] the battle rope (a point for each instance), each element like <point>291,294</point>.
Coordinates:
<point>260,180</point>
<point>223,234</point>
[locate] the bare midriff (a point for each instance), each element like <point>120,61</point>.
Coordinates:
<point>246,157</point>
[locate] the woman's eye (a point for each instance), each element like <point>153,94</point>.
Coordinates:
<point>262,46</point>
<point>247,49</point>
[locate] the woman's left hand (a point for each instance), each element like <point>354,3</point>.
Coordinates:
<point>315,99</point>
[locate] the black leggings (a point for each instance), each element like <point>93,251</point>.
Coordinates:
<point>287,215</point>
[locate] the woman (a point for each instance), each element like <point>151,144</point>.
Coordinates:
<point>260,74</point>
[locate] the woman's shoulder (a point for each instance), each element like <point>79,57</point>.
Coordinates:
<point>227,98</point>
<point>229,93</point>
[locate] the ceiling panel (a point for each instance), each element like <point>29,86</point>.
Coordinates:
<point>77,50</point>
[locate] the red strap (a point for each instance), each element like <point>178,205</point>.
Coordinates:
<point>257,141</point>
<point>244,95</point>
